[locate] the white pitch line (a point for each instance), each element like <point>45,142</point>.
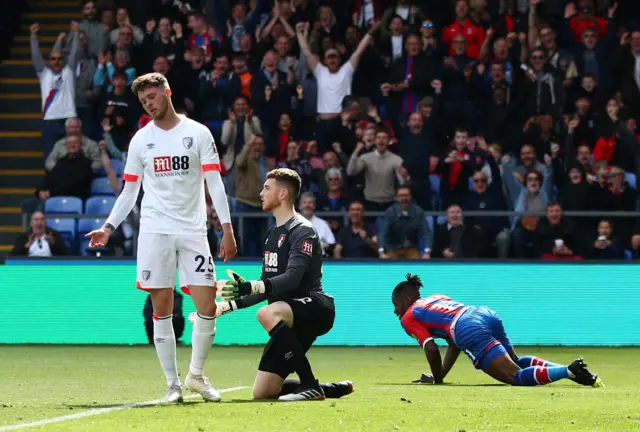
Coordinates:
<point>99,411</point>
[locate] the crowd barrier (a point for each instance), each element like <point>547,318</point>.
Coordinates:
<point>93,301</point>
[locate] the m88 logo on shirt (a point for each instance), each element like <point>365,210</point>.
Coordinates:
<point>169,166</point>
<point>270,261</point>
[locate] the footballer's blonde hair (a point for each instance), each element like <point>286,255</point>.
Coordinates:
<point>153,79</point>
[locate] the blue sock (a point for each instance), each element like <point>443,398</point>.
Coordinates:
<point>538,375</point>
<point>527,361</point>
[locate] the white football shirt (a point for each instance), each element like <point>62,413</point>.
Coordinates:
<point>170,165</point>
<point>58,93</point>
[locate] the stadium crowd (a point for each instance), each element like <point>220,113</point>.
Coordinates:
<point>382,107</point>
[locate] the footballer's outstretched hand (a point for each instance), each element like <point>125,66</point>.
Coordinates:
<point>425,378</point>
<point>100,237</point>
<point>237,287</point>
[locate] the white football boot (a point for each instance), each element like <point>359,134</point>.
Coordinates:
<point>200,384</point>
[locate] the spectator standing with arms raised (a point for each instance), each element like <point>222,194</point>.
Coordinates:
<point>57,85</point>
<point>334,81</point>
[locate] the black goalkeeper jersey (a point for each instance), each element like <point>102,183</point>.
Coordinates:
<point>292,259</point>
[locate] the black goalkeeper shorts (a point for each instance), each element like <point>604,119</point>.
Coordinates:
<point>313,316</point>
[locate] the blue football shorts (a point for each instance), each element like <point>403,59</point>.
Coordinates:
<point>479,333</point>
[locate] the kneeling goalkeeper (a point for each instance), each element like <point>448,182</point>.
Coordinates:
<point>299,310</point>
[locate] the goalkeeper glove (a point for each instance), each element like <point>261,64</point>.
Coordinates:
<point>237,287</point>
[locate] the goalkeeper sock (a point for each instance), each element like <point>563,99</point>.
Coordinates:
<point>527,361</point>
<point>331,390</point>
<point>539,375</point>
<point>294,353</point>
<point>204,329</point>
<point>165,341</point>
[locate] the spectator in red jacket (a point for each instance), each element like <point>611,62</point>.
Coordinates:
<point>585,19</point>
<point>473,34</point>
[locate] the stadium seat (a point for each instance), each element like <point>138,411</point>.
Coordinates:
<point>86,225</point>
<point>63,204</point>
<point>471,184</point>
<point>631,179</point>
<point>66,228</point>
<point>429,220</point>
<point>101,186</point>
<point>99,204</point>
<point>628,255</point>
<point>435,191</point>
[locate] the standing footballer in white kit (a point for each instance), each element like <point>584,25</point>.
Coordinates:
<point>171,157</point>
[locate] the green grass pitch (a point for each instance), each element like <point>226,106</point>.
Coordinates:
<point>89,385</point>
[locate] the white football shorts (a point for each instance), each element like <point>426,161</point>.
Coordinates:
<point>159,255</point>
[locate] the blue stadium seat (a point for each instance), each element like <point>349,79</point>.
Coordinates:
<point>66,228</point>
<point>86,225</point>
<point>471,184</point>
<point>63,204</point>
<point>99,204</point>
<point>117,166</point>
<point>628,255</point>
<point>84,244</point>
<point>100,186</point>
<point>631,179</point>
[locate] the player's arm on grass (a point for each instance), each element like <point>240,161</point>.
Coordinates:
<point>417,330</point>
<point>450,358</point>
<point>210,161</point>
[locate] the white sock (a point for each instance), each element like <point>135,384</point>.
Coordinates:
<point>204,328</point>
<point>165,341</point>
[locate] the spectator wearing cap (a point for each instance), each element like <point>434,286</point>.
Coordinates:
<point>71,175</point>
<point>382,169</point>
<point>455,239</point>
<point>73,126</point>
<point>57,85</point>
<point>357,239</point>
<point>39,240</point>
<point>334,81</point>
<point>473,34</point>
<point>405,232</point>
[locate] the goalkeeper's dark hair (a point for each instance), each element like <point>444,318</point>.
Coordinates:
<point>412,282</point>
